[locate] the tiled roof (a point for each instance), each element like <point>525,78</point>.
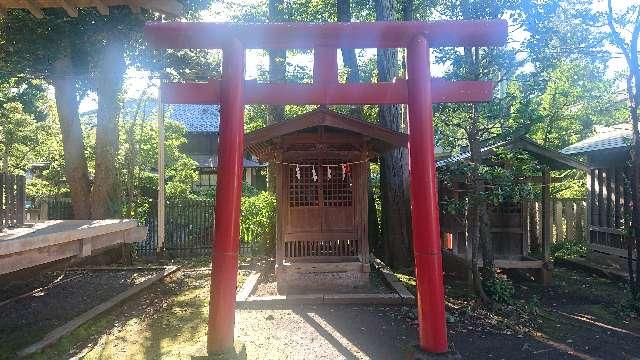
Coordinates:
<point>617,136</point>
<point>466,154</point>
<point>551,158</point>
<point>195,118</point>
<point>211,161</point>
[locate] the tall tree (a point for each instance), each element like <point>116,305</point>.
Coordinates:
<point>394,166</point>
<point>350,61</point>
<point>349,58</point>
<point>629,48</point>
<point>105,194</point>
<point>477,123</point>
<point>277,74</point>
<point>76,55</point>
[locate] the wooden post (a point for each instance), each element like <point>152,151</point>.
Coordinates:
<point>579,221</point>
<point>281,195</point>
<point>432,326</point>
<point>224,273</point>
<point>2,204</point>
<point>525,228</point>
<point>20,198</point>
<point>11,201</point>
<point>570,211</point>
<point>557,219</point>
<point>363,184</point>
<point>161,163</point>
<point>587,222</point>
<point>547,213</point>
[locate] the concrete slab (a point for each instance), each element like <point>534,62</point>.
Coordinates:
<point>362,299</point>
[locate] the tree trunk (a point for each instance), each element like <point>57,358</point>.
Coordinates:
<point>476,219</point>
<point>635,179</point>
<point>132,154</point>
<point>75,163</point>
<point>349,58</point>
<point>105,199</point>
<point>394,169</point>
<point>5,159</point>
<point>630,52</point>
<point>277,74</point>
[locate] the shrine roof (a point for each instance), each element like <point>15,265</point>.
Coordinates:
<point>553,159</point>
<point>379,138</point>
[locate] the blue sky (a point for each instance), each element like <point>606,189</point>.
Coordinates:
<point>136,81</point>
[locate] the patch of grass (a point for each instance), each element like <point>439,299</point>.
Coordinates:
<point>169,321</point>
<point>500,289</point>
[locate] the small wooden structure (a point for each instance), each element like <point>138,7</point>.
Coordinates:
<point>510,227</point>
<point>12,197</point>
<point>322,169</point>
<point>54,240</point>
<point>608,187</point>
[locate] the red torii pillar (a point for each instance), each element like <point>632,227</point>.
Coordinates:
<point>419,92</point>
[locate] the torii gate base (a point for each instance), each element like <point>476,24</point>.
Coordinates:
<point>418,92</point>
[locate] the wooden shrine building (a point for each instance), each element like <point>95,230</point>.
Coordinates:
<point>510,227</point>
<point>322,169</point>
<point>609,202</point>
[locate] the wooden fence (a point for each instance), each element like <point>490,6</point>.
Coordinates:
<point>12,200</point>
<point>188,226</point>
<point>569,220</point>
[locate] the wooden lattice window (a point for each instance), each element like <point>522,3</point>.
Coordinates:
<point>336,190</point>
<point>304,190</point>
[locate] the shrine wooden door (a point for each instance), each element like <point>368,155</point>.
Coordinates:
<point>320,212</point>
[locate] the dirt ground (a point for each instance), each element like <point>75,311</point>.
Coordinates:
<point>578,317</point>
<point>60,297</point>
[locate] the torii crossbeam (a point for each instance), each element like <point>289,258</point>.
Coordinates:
<point>419,92</point>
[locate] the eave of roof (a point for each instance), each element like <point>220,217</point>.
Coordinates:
<point>554,159</point>
<point>612,138</point>
<point>322,117</point>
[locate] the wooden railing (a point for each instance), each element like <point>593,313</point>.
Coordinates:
<point>12,199</point>
<point>321,248</point>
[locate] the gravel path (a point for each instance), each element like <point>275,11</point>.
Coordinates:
<point>324,332</point>
<point>372,332</point>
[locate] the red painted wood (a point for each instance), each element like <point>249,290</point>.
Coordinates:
<point>337,94</point>
<point>227,212</point>
<point>419,93</point>
<point>427,249</point>
<point>325,65</point>
<point>388,34</point>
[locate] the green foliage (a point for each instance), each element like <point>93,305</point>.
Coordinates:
<point>17,135</point>
<point>533,305</point>
<point>577,96</point>
<point>49,182</point>
<point>505,175</point>
<point>138,157</point>
<point>499,288</point>
<point>568,249</point>
<point>258,219</point>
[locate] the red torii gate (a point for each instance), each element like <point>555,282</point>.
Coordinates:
<point>419,92</point>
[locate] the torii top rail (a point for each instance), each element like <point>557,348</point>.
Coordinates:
<point>418,91</point>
